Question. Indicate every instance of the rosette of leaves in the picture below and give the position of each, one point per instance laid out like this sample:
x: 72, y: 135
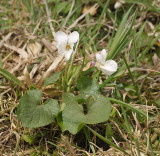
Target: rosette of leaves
x: 89, y: 107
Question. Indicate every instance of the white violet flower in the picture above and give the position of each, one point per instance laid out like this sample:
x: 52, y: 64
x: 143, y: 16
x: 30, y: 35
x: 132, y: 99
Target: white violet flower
x: 108, y: 67
x: 65, y: 43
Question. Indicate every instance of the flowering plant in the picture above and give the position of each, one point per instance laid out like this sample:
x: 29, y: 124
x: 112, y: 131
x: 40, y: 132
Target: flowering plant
x: 76, y: 87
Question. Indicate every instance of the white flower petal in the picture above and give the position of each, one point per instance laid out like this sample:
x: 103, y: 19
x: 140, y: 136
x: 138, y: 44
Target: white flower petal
x: 73, y: 37
x: 61, y: 48
x: 109, y: 67
x: 117, y: 5
x: 100, y: 58
x: 68, y: 54
x: 61, y: 37
x: 104, y: 54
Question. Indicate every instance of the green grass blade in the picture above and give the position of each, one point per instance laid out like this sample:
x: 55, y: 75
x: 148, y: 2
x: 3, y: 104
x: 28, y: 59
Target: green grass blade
x: 100, y: 18
x: 59, y: 147
x: 119, y: 34
x: 138, y: 35
x: 146, y: 3
x: 124, y: 39
x: 1, y: 64
x: 129, y: 106
x: 106, y: 140
x: 9, y: 76
x: 126, y: 120
x: 89, y: 139
x: 128, y: 126
x: 137, y: 145
x: 134, y: 83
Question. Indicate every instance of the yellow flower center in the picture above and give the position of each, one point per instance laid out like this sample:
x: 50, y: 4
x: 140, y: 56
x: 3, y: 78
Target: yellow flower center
x: 68, y: 47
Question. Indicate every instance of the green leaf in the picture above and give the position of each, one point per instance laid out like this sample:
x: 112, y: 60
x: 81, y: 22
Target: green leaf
x: 87, y: 86
x: 9, y: 76
x: 73, y: 114
x: 33, y: 114
x: 28, y: 138
x: 60, y: 122
x: 51, y: 79
x: 98, y: 111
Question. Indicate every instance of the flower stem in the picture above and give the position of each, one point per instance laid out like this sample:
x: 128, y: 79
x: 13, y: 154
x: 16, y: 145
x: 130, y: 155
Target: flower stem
x: 68, y: 74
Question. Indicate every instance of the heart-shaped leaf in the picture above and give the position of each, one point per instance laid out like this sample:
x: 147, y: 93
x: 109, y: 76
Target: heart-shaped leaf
x: 34, y: 114
x: 73, y: 114
x: 98, y: 110
x: 51, y: 79
x: 87, y: 86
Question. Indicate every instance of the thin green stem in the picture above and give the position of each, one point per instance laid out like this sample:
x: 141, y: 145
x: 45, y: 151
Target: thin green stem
x: 135, y: 51
x: 72, y: 59
x: 17, y: 144
x: 68, y: 75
